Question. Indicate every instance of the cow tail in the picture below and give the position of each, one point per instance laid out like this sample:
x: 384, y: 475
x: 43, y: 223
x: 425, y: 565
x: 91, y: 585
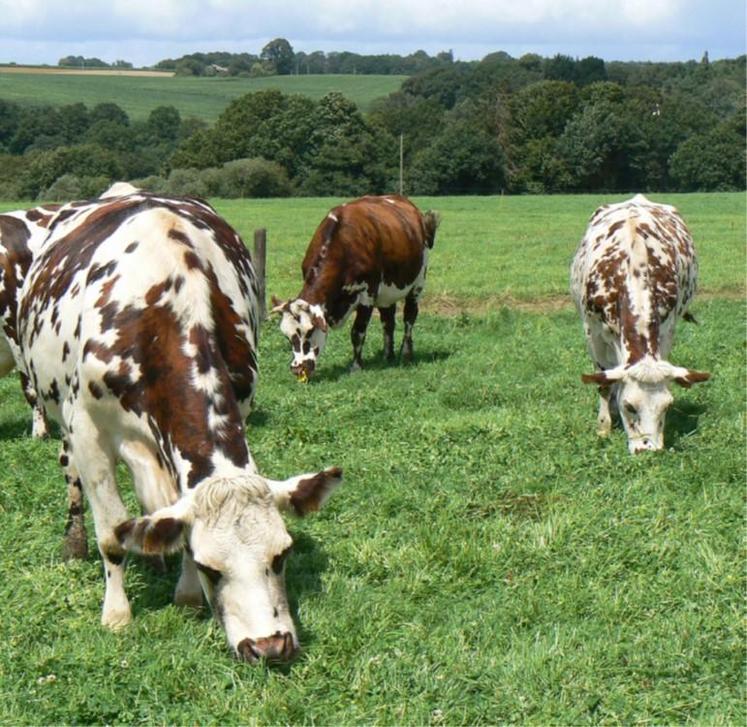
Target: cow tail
x: 431, y: 221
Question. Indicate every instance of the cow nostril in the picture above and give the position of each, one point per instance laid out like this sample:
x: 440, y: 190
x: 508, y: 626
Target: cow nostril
x: 247, y: 651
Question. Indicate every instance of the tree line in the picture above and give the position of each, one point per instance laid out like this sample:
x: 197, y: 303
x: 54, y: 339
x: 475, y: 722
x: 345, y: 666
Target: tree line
x: 278, y: 58
x: 527, y: 125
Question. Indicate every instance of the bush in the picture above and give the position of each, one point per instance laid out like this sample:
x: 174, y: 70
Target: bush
x: 253, y: 178
x: 185, y: 182
x: 151, y: 183
x: 70, y: 186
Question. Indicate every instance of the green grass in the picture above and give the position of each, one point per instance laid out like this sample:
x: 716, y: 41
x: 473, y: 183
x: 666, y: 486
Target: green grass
x: 487, y: 558
x: 502, y: 248
x: 204, y: 98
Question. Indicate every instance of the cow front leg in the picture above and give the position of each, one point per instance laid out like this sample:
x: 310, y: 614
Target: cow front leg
x: 410, y: 316
x: 188, y: 589
x: 388, y: 323
x: 96, y: 468
x: 604, y: 417
x: 75, y: 542
x: 39, y: 425
x: 358, y: 335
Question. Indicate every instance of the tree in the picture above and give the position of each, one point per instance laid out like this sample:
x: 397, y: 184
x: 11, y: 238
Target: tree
x: 712, y: 162
x: 279, y: 55
x: 164, y: 123
x: 462, y: 160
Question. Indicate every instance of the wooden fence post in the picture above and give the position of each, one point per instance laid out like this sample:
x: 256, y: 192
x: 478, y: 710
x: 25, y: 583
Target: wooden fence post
x: 260, y: 258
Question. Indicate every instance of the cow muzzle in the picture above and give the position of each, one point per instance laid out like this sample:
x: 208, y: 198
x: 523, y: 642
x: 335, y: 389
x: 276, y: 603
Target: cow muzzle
x: 644, y: 444
x: 278, y: 648
x: 303, y: 371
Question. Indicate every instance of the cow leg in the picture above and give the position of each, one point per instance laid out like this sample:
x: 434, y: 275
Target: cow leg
x: 604, y: 417
x: 154, y: 486
x: 96, y: 467
x: 39, y: 426
x: 358, y: 334
x: 410, y: 316
x: 388, y: 323
x: 188, y: 591
x: 75, y: 543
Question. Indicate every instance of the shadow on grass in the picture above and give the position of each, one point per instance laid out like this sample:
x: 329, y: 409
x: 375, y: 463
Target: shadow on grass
x: 19, y: 427
x: 379, y: 363
x: 681, y: 422
x: 15, y: 428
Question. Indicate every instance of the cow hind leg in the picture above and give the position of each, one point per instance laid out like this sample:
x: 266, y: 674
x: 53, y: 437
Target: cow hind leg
x: 75, y: 542
x: 410, y: 316
x: 388, y: 323
x: 358, y: 335
x: 39, y: 425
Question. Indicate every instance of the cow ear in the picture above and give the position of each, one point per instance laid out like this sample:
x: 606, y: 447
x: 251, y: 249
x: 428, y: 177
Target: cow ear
x: 305, y: 493
x: 278, y: 306
x: 686, y: 377
x: 319, y: 322
x: 603, y: 378
x: 160, y: 533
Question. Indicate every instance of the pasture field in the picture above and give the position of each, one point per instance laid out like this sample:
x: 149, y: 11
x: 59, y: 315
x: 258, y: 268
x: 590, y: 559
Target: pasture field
x: 487, y: 558
x: 204, y: 98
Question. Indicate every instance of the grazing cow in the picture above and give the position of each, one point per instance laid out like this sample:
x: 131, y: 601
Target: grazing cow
x: 138, y: 329
x: 21, y: 235
x: 368, y: 253
x: 633, y: 275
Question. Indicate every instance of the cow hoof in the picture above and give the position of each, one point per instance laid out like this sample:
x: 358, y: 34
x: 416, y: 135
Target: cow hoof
x: 188, y: 599
x: 116, y: 620
x: 75, y: 546
x: 355, y: 366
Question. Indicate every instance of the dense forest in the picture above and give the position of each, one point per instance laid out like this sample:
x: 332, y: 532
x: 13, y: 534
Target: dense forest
x: 526, y: 125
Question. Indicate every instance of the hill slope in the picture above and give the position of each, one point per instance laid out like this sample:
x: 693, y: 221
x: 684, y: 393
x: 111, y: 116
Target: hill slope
x: 204, y: 98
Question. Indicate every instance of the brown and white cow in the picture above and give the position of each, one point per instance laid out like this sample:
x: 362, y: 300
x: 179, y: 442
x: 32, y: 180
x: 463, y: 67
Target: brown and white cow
x: 371, y: 252
x: 138, y: 328
x: 21, y: 235
x: 633, y: 276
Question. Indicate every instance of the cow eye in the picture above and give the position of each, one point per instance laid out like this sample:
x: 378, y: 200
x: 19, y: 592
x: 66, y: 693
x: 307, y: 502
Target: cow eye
x: 630, y: 408
x: 212, y: 575
x: 278, y: 562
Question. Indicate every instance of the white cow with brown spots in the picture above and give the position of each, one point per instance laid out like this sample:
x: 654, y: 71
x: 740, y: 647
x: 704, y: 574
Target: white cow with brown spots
x: 138, y: 329
x: 633, y: 276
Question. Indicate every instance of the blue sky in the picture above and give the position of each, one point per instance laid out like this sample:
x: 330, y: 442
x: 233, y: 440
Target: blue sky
x: 146, y: 31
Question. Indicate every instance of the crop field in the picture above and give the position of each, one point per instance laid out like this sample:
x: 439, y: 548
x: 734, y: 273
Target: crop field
x: 487, y: 559
x: 204, y: 98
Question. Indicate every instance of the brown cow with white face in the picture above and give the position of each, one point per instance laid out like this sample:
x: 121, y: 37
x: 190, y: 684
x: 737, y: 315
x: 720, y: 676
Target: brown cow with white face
x: 634, y: 274
x: 138, y: 329
x: 372, y: 252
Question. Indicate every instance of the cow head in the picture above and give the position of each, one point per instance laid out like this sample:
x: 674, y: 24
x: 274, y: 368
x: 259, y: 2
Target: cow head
x: 234, y: 532
x: 305, y: 326
x: 643, y: 397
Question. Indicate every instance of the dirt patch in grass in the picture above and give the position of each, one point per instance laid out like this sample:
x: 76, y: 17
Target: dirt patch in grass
x: 443, y: 304
x: 86, y: 72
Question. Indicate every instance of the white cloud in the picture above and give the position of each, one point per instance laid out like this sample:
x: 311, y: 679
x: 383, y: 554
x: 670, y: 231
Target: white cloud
x: 670, y: 29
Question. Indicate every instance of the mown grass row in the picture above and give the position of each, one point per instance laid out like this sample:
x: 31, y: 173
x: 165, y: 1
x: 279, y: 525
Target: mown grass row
x: 487, y: 559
